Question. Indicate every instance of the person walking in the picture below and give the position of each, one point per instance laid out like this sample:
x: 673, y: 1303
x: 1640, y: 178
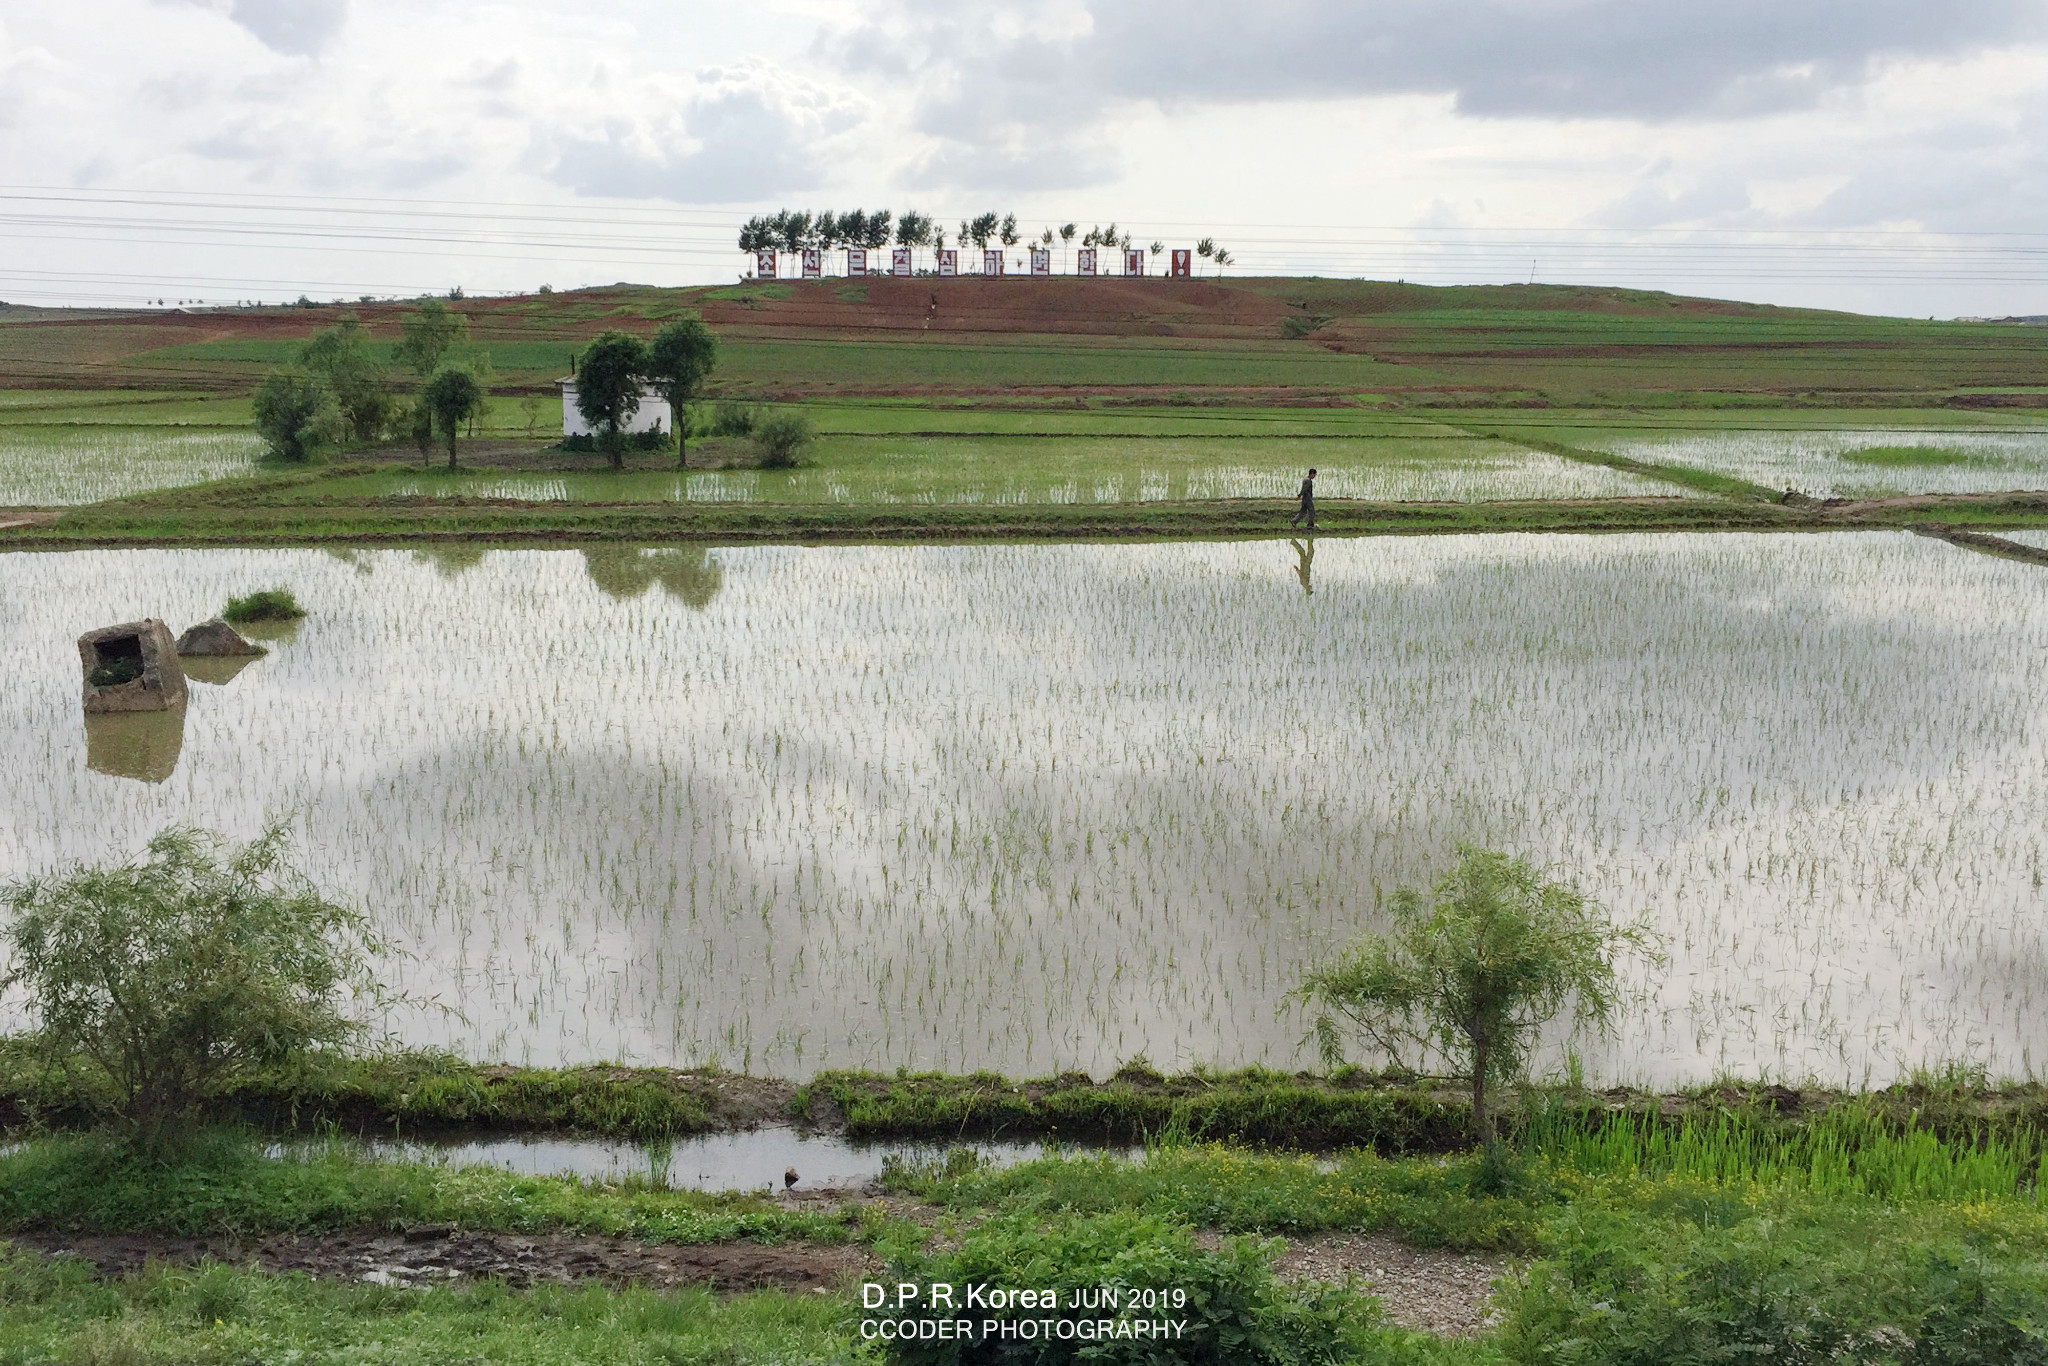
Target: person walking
x: 1307, y: 511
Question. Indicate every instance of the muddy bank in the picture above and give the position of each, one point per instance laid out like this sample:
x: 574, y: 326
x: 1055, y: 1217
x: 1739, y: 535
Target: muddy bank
x: 1433, y: 1290
x: 436, y: 1254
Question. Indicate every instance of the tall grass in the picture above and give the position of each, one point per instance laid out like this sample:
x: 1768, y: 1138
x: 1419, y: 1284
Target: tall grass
x: 1848, y: 1151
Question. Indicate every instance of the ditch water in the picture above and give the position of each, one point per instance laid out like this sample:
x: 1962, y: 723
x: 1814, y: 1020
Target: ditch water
x: 1037, y: 807
x: 746, y: 1160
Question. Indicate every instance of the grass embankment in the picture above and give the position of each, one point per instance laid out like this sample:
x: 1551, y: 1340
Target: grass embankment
x: 1721, y: 1239
x: 221, y: 1183
x: 57, y: 1310
x: 435, y: 1094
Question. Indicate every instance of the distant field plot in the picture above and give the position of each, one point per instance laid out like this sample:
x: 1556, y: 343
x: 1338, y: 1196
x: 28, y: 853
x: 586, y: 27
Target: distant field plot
x: 938, y: 360
x: 1058, y: 418
x: 848, y: 469
x: 976, y: 362
x: 1743, y: 417
x: 50, y: 466
x: 121, y: 408
x: 1862, y: 463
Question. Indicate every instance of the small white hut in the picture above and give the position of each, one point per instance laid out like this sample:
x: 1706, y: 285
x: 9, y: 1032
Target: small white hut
x: 651, y: 416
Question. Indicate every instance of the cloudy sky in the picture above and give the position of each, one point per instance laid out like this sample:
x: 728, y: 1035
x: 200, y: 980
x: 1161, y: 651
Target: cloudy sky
x: 1881, y: 155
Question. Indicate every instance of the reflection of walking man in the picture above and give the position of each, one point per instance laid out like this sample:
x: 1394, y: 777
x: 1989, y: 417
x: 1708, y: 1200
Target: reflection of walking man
x: 1305, y: 552
x: 1307, y: 511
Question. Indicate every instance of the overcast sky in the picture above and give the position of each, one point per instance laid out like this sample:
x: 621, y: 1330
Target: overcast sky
x: 1882, y: 155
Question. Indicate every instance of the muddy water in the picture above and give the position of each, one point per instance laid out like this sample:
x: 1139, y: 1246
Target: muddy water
x: 747, y: 1160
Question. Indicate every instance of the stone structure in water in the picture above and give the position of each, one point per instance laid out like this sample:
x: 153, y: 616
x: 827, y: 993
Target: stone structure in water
x: 131, y: 667
x: 215, y: 640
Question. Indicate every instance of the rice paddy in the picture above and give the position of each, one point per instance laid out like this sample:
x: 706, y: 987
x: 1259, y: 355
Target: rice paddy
x: 76, y: 463
x: 962, y: 470
x: 1871, y: 463
x: 1032, y: 807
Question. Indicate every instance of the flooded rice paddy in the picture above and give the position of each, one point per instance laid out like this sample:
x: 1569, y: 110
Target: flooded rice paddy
x: 1029, y: 807
x: 1852, y: 464
x: 1071, y: 470
x: 70, y: 465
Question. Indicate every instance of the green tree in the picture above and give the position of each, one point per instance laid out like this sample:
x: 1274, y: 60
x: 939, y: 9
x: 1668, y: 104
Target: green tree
x: 340, y: 358
x: 681, y: 359
x: 608, y: 376
x: 1473, y: 971
x: 159, y: 984
x: 451, y: 398
x: 428, y: 334
x: 295, y: 414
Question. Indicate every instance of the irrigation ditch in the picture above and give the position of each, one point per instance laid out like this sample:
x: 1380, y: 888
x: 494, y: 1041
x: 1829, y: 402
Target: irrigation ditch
x: 441, y: 1100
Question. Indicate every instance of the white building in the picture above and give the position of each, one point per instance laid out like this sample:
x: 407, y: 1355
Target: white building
x: 651, y: 416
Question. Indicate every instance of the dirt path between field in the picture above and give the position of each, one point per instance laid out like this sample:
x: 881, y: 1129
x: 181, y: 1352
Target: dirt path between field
x: 1432, y: 1290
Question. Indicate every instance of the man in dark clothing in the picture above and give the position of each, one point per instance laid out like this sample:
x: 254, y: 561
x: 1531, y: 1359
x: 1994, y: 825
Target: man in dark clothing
x: 1307, y: 511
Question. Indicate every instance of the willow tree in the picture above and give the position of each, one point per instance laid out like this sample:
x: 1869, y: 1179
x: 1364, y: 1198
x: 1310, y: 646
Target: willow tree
x: 1473, y: 971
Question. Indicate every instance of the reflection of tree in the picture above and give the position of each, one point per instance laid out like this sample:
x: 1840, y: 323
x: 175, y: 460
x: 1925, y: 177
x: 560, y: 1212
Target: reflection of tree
x: 451, y: 558
x: 627, y: 571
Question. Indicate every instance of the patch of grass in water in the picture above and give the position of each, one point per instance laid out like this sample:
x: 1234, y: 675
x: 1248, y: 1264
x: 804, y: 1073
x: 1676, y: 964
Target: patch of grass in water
x: 269, y: 604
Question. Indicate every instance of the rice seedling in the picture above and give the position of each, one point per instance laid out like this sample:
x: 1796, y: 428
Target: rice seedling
x: 925, y: 469
x: 1032, y: 807
x: 1848, y: 1153
x: 1849, y: 463
x: 51, y: 466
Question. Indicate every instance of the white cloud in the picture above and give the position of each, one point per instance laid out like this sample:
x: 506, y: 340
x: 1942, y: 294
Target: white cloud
x: 1486, y: 115
x: 298, y: 27
x: 727, y: 135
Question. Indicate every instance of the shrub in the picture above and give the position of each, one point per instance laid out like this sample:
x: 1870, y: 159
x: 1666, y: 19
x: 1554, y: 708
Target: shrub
x: 1231, y: 1307
x: 122, y: 669
x: 159, y: 985
x: 295, y: 414
x: 1299, y: 325
x: 271, y: 604
x: 630, y: 441
x: 782, y: 439
x: 730, y: 417
x: 1766, y: 1290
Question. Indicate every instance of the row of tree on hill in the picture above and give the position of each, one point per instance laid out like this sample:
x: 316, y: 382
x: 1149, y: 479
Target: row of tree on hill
x: 826, y: 230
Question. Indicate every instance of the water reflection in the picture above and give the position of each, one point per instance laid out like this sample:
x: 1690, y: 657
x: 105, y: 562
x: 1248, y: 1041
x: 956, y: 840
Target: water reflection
x: 141, y: 745
x: 215, y: 669
x: 1305, y: 552
x: 452, y: 560
x: 282, y: 632
x: 627, y: 571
